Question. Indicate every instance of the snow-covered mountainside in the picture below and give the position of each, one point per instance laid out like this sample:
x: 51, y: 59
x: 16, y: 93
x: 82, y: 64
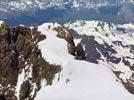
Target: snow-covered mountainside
x: 108, y: 44
x: 82, y: 79
x: 81, y: 60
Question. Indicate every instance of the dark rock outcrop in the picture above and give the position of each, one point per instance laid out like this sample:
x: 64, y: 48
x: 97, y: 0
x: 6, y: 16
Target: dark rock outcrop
x: 77, y: 51
x: 19, y: 51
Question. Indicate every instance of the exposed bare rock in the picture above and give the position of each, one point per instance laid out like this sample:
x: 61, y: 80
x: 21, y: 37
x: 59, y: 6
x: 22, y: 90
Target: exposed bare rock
x: 19, y: 52
x: 79, y: 52
x: 76, y: 51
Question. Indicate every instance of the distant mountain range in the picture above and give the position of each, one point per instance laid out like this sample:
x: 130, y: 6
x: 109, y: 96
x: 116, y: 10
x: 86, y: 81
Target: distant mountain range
x: 24, y: 4
x: 35, y: 12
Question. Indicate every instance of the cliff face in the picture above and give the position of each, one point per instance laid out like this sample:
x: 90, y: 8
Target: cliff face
x: 19, y: 52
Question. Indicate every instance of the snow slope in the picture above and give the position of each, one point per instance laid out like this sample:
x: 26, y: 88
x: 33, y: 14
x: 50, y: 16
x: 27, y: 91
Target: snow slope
x: 78, y: 80
x: 108, y: 33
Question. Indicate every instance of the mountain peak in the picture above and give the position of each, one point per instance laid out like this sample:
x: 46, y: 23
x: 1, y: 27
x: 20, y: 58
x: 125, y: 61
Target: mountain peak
x: 58, y: 55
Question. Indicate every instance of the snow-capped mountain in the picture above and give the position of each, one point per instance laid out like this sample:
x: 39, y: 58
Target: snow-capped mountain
x: 81, y: 60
